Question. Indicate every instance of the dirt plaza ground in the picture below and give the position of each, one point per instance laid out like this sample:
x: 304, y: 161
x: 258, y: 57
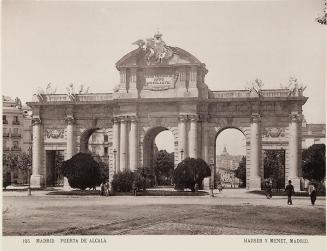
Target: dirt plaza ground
x: 232, y: 212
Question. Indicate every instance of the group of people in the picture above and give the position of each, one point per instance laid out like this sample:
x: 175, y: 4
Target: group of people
x: 105, y: 188
x: 289, y: 189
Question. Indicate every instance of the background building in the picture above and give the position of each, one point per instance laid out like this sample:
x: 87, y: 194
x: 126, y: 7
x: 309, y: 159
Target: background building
x: 226, y: 165
x: 313, y: 134
x: 17, y: 130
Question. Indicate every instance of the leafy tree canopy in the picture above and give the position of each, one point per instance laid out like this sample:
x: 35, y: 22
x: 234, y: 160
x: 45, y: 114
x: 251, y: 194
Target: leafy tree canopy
x: 240, y: 172
x: 163, y: 165
x: 314, y: 162
x: 82, y: 171
x: 190, y: 172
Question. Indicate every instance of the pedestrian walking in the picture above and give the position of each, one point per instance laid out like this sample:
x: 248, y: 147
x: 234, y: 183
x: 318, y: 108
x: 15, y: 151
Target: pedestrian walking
x: 313, y: 194
x: 268, y: 187
x: 102, y: 188
x: 107, y: 188
x: 289, y: 189
x: 134, y: 188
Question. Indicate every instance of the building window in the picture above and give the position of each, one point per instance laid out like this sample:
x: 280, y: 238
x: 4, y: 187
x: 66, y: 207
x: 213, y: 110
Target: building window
x: 106, y: 151
x: 15, y: 145
x: 105, y: 137
x: 15, y: 121
x: 4, y: 119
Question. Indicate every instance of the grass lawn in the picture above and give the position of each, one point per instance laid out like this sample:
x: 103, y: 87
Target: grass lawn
x: 55, y: 215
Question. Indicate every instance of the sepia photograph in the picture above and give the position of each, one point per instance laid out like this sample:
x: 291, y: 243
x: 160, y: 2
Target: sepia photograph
x: 146, y: 121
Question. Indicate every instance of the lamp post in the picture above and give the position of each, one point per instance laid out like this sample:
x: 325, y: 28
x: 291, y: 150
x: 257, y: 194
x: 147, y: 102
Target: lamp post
x: 212, y: 183
x: 115, y: 161
x: 29, y: 182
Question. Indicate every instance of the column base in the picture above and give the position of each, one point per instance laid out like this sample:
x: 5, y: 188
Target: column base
x: 206, y: 184
x: 254, y: 183
x: 67, y: 187
x: 37, y: 181
x: 296, y: 182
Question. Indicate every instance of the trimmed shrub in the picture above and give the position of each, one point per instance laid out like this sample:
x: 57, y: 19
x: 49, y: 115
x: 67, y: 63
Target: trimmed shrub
x: 6, y: 179
x: 123, y: 181
x: 190, y: 172
x: 82, y: 171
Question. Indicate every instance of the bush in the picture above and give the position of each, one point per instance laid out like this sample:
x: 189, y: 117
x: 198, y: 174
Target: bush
x: 123, y: 181
x: 6, y: 179
x: 82, y: 171
x: 190, y: 172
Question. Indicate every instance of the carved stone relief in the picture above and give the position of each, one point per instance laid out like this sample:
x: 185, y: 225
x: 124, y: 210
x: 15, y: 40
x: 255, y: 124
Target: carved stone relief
x: 55, y: 133
x: 274, y: 132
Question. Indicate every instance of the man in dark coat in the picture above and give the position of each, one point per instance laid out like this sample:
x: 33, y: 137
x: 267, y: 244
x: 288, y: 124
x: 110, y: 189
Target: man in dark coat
x: 289, y: 191
x: 313, y: 195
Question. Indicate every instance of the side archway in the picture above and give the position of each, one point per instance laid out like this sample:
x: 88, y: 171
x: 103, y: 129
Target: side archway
x: 230, y: 153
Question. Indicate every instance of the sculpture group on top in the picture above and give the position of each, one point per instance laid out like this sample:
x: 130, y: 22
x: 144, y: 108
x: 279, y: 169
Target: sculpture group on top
x: 155, y: 48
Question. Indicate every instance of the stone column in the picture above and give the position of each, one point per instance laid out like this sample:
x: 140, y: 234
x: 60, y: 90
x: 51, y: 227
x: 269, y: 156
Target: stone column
x: 133, y: 144
x: 193, y: 139
x: 70, y: 137
x: 255, y: 178
x: 205, y: 146
x: 182, y: 137
x: 36, y: 178
x: 115, y: 144
x: 123, y: 144
x: 294, y: 151
x: 69, y: 144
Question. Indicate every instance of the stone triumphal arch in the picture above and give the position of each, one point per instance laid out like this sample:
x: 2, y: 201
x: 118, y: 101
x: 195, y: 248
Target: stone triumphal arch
x: 163, y: 88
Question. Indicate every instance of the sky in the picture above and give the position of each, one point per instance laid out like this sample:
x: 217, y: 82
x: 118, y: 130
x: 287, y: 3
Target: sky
x: 80, y: 42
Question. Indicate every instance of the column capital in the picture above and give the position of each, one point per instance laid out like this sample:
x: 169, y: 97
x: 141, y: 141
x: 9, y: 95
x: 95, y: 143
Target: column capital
x: 115, y: 120
x: 294, y: 117
x: 70, y: 120
x: 36, y: 121
x: 255, y: 118
x: 193, y: 117
x: 182, y: 118
x: 133, y: 118
x: 123, y: 119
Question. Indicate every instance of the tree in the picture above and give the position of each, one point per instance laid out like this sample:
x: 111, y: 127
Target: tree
x: 274, y: 167
x: 164, y: 167
x: 104, y: 169
x: 9, y: 162
x: 190, y: 172
x: 313, y: 162
x: 82, y: 171
x: 144, y: 177
x: 24, y: 163
x: 240, y: 172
